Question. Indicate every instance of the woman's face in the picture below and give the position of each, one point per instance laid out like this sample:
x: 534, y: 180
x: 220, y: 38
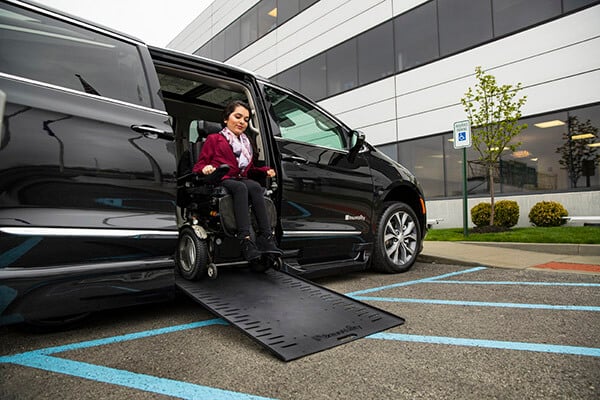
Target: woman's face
x: 237, y: 121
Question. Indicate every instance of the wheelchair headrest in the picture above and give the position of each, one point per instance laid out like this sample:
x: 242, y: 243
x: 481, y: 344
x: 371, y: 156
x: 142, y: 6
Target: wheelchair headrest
x: 205, y: 128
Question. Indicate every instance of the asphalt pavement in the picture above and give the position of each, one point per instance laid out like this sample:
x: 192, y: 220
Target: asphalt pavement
x: 581, y: 258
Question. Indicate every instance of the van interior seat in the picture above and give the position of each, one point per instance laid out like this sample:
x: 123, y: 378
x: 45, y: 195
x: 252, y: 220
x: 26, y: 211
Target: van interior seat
x: 204, y: 128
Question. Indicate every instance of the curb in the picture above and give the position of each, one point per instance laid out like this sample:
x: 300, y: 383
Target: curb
x: 587, y: 250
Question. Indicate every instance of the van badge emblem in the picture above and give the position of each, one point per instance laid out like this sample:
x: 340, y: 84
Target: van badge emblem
x: 355, y: 217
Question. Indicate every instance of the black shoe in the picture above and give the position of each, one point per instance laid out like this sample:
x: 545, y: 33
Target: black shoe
x: 249, y: 250
x: 266, y: 244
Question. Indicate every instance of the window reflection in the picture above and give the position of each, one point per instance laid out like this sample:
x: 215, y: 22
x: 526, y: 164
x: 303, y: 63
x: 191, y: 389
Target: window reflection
x: 512, y: 15
x: 375, y: 54
x: 463, y: 23
x: 416, y: 37
x: 312, y: 75
x: 342, y: 60
x: 267, y: 16
x: 559, y: 152
x: 425, y: 159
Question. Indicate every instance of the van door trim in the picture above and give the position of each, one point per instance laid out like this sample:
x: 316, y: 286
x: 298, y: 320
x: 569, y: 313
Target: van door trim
x: 80, y: 93
x: 301, y: 234
x: 123, y: 233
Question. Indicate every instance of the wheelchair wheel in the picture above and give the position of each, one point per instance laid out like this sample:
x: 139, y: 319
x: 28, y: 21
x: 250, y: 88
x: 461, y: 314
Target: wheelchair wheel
x: 192, y: 255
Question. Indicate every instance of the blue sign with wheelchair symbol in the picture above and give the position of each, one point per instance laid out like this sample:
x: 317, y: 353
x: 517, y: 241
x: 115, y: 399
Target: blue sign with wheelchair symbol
x: 462, y: 134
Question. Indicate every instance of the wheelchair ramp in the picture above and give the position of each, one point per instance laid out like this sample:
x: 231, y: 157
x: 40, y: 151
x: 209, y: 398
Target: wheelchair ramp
x: 288, y: 315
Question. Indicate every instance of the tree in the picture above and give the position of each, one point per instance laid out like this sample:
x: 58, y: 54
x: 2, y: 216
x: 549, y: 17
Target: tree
x: 494, y: 114
x: 575, y: 153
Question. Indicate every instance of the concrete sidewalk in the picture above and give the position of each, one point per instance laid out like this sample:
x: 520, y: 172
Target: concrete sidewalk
x: 568, y: 257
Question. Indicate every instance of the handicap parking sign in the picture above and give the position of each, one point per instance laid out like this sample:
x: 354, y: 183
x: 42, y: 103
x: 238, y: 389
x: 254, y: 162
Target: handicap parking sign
x: 462, y: 134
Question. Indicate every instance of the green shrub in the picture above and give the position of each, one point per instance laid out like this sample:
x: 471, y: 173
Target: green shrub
x: 481, y: 213
x: 547, y: 213
x: 506, y: 213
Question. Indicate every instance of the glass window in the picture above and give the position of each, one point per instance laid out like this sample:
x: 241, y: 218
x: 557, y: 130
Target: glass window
x: 313, y: 74
x: 342, y: 73
x: 558, y: 152
x: 425, y: 159
x: 301, y: 122
x: 304, y: 4
x: 453, y: 168
x: 390, y: 150
x: 51, y: 51
x: 218, y: 47
x: 267, y: 17
x: 565, y: 148
x: 416, y: 34
x: 232, y: 39
x: 463, y: 23
x: 249, y: 27
x: 571, y: 5
x: 512, y: 15
x: 205, y: 50
x: 375, y: 54
x: 290, y: 78
x: 286, y: 9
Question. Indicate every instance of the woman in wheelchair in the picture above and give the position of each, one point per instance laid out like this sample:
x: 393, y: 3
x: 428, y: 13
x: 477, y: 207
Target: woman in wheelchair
x: 232, y: 146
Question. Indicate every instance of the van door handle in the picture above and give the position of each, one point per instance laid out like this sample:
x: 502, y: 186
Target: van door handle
x: 296, y: 159
x: 153, y: 133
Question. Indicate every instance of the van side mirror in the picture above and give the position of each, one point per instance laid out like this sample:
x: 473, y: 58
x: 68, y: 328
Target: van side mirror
x: 358, y: 140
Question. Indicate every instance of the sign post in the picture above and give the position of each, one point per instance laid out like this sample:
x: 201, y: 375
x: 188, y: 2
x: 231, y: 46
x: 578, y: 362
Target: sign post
x: 462, y: 140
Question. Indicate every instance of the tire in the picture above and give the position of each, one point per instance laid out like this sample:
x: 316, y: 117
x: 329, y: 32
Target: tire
x: 191, y: 257
x: 398, y: 239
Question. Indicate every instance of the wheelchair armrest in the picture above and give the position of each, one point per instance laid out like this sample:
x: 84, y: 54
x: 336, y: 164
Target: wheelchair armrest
x: 199, y: 179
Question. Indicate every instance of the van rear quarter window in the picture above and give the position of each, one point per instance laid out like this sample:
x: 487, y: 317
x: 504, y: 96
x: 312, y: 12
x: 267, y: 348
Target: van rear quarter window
x: 44, y: 49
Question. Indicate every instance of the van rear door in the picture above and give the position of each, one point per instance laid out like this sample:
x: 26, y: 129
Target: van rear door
x: 86, y: 154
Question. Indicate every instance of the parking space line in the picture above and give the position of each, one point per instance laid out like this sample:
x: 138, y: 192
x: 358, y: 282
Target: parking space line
x: 494, y: 344
x: 479, y: 303
x: 424, y: 280
x: 130, y: 336
x: 580, y: 284
x: 41, y: 359
x: 147, y: 383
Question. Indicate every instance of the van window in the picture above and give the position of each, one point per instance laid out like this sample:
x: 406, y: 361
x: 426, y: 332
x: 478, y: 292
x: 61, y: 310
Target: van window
x: 48, y: 50
x: 300, y: 121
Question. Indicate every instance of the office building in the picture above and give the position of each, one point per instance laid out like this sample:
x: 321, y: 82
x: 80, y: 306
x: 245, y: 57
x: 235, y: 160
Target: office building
x: 397, y: 69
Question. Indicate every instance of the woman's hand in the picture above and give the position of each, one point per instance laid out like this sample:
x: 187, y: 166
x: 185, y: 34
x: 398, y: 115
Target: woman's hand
x: 209, y: 169
x: 271, y: 173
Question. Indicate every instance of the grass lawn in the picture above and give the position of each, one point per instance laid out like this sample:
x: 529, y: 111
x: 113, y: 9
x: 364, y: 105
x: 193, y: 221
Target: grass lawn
x: 559, y: 234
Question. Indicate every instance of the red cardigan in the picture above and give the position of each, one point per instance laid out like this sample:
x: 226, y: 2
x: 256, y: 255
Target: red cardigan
x: 216, y: 151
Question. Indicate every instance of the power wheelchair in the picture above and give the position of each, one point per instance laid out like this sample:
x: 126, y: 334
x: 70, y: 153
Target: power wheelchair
x: 207, y: 235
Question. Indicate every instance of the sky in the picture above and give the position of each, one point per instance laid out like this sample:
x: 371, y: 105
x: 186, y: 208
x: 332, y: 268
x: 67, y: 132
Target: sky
x: 154, y: 22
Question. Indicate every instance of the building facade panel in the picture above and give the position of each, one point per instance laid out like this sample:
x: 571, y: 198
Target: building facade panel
x: 322, y: 26
x: 364, y: 96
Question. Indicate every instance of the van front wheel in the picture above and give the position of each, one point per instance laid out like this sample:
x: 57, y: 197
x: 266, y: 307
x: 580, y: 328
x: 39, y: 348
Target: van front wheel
x: 398, y: 239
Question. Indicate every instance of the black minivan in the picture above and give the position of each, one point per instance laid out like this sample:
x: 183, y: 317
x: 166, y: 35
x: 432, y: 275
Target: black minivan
x: 95, y: 126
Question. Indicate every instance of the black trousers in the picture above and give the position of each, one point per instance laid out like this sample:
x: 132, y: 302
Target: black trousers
x: 242, y: 191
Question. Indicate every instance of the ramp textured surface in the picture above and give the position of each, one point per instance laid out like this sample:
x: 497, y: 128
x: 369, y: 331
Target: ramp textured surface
x: 288, y: 315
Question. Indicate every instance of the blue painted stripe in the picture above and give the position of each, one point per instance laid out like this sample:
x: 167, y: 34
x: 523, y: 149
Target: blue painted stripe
x: 12, y: 255
x: 129, y: 379
x: 493, y: 344
x: 478, y: 303
x: 519, y: 283
x: 130, y: 336
x: 424, y: 280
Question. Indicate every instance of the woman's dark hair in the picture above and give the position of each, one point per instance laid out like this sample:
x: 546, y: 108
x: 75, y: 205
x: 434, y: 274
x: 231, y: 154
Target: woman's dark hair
x: 231, y: 106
